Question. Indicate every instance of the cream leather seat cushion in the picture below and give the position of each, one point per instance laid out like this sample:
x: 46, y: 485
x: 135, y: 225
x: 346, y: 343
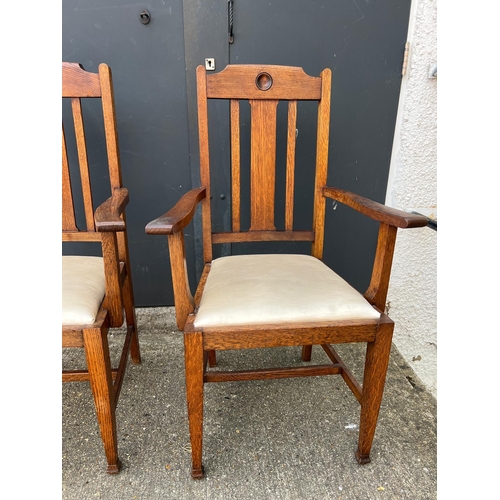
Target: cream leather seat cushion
x: 275, y: 288
x: 83, y: 288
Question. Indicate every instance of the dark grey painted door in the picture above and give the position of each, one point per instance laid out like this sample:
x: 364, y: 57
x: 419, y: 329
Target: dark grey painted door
x: 154, y: 75
x: 362, y: 42
x: 149, y: 78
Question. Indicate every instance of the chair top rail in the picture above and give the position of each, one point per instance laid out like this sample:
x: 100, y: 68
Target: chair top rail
x: 251, y: 81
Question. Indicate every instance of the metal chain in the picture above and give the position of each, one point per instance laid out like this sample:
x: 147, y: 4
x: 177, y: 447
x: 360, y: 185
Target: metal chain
x: 230, y: 20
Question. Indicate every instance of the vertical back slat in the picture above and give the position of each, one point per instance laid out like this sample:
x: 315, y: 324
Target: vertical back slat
x: 290, y: 164
x: 201, y: 82
x: 321, y: 163
x: 235, y: 164
x: 68, y: 210
x: 262, y: 164
x: 76, y: 106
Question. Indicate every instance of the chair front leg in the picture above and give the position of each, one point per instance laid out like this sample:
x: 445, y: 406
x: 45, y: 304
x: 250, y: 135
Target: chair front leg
x: 101, y: 383
x: 376, y: 363
x: 193, y: 353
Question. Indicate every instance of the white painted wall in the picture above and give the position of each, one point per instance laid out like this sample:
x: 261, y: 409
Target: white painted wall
x: 412, y: 297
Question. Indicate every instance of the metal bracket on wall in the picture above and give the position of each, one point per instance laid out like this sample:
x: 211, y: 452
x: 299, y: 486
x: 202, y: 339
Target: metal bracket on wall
x: 209, y: 63
x: 432, y: 223
x: 405, y: 59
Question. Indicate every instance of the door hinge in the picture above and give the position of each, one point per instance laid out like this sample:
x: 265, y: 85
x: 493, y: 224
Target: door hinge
x: 405, y: 59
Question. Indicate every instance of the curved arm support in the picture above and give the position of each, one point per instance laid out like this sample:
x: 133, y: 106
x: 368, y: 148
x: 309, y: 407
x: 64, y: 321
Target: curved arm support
x: 183, y: 299
x: 172, y: 224
x: 390, y: 220
x: 374, y: 210
x: 108, y: 214
x: 377, y: 290
x: 179, y: 216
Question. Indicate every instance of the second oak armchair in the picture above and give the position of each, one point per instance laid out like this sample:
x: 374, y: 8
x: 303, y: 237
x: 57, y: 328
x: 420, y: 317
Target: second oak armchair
x: 272, y: 300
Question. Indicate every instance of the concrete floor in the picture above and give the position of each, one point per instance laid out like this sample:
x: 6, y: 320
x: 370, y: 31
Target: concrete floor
x: 276, y: 439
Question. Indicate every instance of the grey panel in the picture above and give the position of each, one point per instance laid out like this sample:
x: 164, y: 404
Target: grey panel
x: 155, y: 90
x: 147, y: 62
x: 205, y: 29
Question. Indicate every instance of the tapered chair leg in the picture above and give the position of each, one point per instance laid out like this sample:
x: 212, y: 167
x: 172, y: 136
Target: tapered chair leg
x: 193, y: 352
x: 101, y: 382
x: 128, y: 299
x: 376, y: 363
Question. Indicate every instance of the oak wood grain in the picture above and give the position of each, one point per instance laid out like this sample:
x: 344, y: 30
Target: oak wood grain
x: 110, y: 130
x: 376, y: 363
x: 272, y: 373
x: 238, y: 81
x: 178, y: 217
x: 263, y: 336
x: 114, y: 297
x: 108, y: 214
x: 262, y: 164
x: 290, y: 164
x: 101, y: 383
x: 377, y: 290
x: 244, y: 236
x: 347, y: 375
x: 184, y: 303
x: 206, y: 213
x: 235, y: 165
x: 83, y: 162
x: 322, y: 143
x: 68, y: 211
x: 193, y: 359
x: 374, y: 210
x: 81, y: 375
x: 76, y: 82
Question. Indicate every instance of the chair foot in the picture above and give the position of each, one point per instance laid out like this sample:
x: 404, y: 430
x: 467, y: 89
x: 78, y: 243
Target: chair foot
x: 362, y: 459
x: 198, y: 473
x: 114, y: 469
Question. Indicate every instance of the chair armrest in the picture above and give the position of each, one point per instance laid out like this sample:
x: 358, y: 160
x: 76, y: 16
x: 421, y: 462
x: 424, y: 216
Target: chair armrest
x: 374, y: 210
x: 107, y: 215
x: 172, y: 224
x: 179, y: 216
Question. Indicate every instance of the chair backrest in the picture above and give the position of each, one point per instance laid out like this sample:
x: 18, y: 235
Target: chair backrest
x: 264, y: 86
x: 77, y: 83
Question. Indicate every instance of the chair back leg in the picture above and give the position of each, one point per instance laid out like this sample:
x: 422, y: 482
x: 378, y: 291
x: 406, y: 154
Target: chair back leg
x: 128, y: 299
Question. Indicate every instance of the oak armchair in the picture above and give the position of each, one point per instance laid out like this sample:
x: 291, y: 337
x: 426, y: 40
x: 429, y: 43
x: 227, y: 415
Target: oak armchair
x: 96, y: 290
x: 271, y: 300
